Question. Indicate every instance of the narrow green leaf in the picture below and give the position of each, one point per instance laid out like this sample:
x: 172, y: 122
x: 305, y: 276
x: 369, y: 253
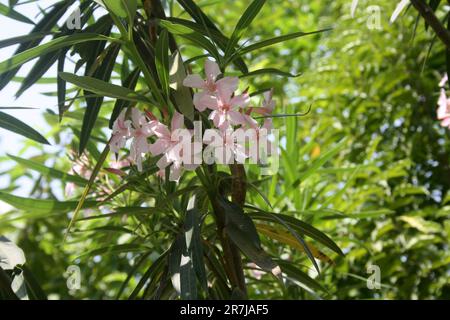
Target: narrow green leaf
x: 46, y: 61
x: 175, y: 253
x: 269, y: 71
x: 162, y: 60
x: 122, y: 8
x: 192, y: 36
x: 103, y: 88
x: 135, y: 268
x: 299, y: 239
x: 14, y: 125
x: 11, y: 13
x: 42, y: 206
x: 215, y: 35
x: 272, y: 41
x: 23, y: 39
x: 130, y: 83
x: 50, y: 172
x: 61, y: 42
x: 194, y: 245
x: 242, y: 231
x: 243, y: 23
x: 301, y: 227
x: 46, y: 24
x: 181, y: 94
x: 61, y: 85
x: 117, y: 248
x: 87, y: 189
x: 149, y: 274
x: 102, y: 73
x: 296, y: 274
x: 35, y: 291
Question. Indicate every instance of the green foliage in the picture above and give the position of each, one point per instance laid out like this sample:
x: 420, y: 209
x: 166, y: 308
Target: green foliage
x: 363, y: 177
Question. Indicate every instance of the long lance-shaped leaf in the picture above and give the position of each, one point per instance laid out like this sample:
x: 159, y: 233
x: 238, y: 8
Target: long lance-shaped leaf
x: 40, y: 206
x: 14, y: 125
x: 44, y: 63
x: 103, y: 88
x: 130, y: 83
x: 215, y: 35
x: 243, y: 23
x: 103, y: 73
x: 273, y: 71
x: 11, y: 13
x: 300, y: 227
x: 122, y: 8
x: 194, y: 245
x: 23, y: 39
x: 291, y: 240
x: 50, y: 46
x: 209, y: 27
x: 272, y: 41
x: 181, y: 95
x: 87, y: 189
x: 192, y: 36
x: 242, y: 231
x: 53, y: 173
x: 162, y: 60
x: 61, y: 85
x: 300, y: 240
x: 149, y: 274
x: 299, y: 276
x: 46, y: 24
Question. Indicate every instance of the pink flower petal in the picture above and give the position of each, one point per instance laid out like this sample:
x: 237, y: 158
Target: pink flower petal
x: 250, y: 122
x: 136, y: 117
x: 177, y: 121
x: 163, y: 162
x: 268, y: 124
x: 446, y: 122
x: 236, y: 117
x: 194, y: 81
x: 160, y: 130
x: 212, y: 70
x: 443, y: 109
x: 203, y: 100
x: 160, y: 146
x: 225, y: 88
x: 241, y: 100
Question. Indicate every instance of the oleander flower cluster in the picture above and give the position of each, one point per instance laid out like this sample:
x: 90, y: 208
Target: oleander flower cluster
x: 217, y: 97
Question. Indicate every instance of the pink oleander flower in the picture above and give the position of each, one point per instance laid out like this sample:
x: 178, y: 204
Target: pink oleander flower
x: 259, y: 139
x: 226, y: 108
x: 116, y: 166
x: 443, y: 112
x: 121, y: 133
x: 169, y: 145
x: 140, y: 131
x: 267, y: 105
x: 210, y: 86
x: 80, y: 168
x: 227, y: 148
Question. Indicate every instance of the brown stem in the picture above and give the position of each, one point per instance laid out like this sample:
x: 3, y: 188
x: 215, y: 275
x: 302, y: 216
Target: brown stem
x: 427, y: 13
x: 232, y: 255
x: 239, y: 192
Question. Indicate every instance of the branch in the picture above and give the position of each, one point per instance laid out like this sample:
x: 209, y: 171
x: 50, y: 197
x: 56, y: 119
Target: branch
x: 427, y: 13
